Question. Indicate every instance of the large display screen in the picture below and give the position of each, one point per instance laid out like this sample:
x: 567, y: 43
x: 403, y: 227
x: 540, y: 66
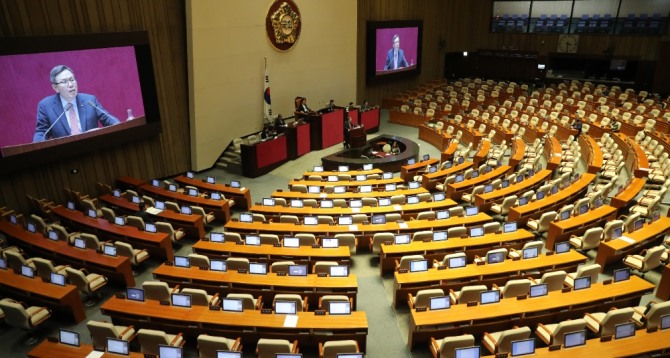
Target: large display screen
x: 393, y: 48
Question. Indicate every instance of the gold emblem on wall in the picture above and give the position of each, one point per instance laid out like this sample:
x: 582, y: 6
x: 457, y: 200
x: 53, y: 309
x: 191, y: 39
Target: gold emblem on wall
x: 283, y: 24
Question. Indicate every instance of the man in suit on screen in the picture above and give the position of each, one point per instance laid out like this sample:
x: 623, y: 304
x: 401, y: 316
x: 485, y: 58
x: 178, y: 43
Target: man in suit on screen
x: 395, y: 58
x: 68, y: 112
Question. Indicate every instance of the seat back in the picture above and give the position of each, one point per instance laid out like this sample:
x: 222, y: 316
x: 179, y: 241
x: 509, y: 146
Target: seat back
x: 15, y: 260
x: 514, y: 288
x: 208, y: 345
x: 289, y: 297
x: 566, y: 327
x: 77, y: 278
x: 44, y: 268
x: 269, y: 239
x: 405, y: 260
x: 324, y: 301
x: 470, y: 293
x: 108, y: 214
x: 347, y: 240
x: 507, y: 337
x: 124, y: 249
x: 199, y: 297
x: 150, y: 339
x: 449, y: 344
x: 306, y: 239
x: 237, y: 263
x: 135, y: 221
x: 554, y: 280
x: 591, y: 270
x: 324, y: 266
x: 198, y: 260
x: 332, y: 348
x: 591, y: 238
x: 281, y: 266
x: 248, y: 301
x: 268, y: 348
x: 652, y: 258
x: 614, y: 317
x: 378, y: 239
x: 422, y: 235
x: 423, y: 297
x: 156, y: 290
x: 657, y: 311
x: 289, y: 219
x: 100, y: 331
x: 15, y: 314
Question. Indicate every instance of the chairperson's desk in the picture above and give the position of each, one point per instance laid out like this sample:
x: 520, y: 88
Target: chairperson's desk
x: 158, y: 244
x: 556, y: 306
x: 63, y: 299
x: 412, y: 282
x: 250, y: 325
x: 220, y: 208
x: 267, y: 286
x: 632, y: 243
x: 48, y: 349
x: 116, y: 268
x: 242, y: 196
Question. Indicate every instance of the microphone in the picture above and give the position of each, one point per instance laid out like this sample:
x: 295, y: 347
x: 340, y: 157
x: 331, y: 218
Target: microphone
x: 90, y: 103
x: 65, y: 109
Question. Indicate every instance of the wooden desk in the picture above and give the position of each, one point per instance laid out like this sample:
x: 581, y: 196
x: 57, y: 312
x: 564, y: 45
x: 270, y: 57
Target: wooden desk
x: 264, y: 156
x: 369, y: 118
x: 663, y: 290
x: 437, y: 139
x: 220, y: 208
x: 437, y: 249
x: 117, y: 269
x: 636, y: 160
x: 554, y: 307
x: 48, y: 349
x: 353, y: 173
x: 480, y: 155
x: 63, y: 299
x: 577, y: 225
x: 448, y: 153
x: 407, y: 172
x: 482, y: 275
x: 158, y: 244
x: 623, y: 199
x: 347, y: 183
x: 348, y: 194
x: 456, y: 190
x: 223, y: 283
x: 594, y: 160
x: 249, y: 325
x: 552, y: 152
x: 270, y: 254
x: 484, y: 201
x: 430, y: 180
x: 518, y: 151
x: 127, y: 182
x: 193, y: 224
x: 649, y: 235
x: 242, y: 196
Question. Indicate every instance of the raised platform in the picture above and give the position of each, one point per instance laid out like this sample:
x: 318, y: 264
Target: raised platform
x: 372, y: 153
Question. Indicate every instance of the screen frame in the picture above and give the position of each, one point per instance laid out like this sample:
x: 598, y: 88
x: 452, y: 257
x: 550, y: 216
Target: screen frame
x: 371, y: 50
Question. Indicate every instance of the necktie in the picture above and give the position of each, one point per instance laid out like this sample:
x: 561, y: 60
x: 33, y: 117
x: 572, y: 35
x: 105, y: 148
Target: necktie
x: 395, y: 60
x: 74, y: 121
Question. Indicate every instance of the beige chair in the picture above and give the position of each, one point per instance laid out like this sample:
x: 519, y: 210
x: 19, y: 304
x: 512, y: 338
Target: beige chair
x: 466, y: 294
x: 446, y: 347
x: 136, y: 256
x: 24, y: 317
x: 166, y: 227
x: 323, y: 267
x: 423, y: 297
x: 325, y: 300
x: 404, y: 262
x: 647, y: 260
x: 198, y: 260
x: 87, y: 283
x: 45, y: 268
x: 301, y: 303
x: 63, y: 234
x: 237, y: 263
x: 331, y: 349
x: 268, y: 348
x: 281, y: 266
x: 306, y: 239
x: 501, y: 250
x: 269, y: 239
x: 603, y: 323
x: 208, y: 217
x: 347, y: 240
x: 248, y: 301
x: 101, y: 330
x: 514, y: 288
x: 200, y: 297
x: 15, y: 260
x: 135, y: 221
x: 502, y: 209
x: 539, y: 244
x: 108, y: 214
x: 650, y: 315
x: 208, y: 345
x: 553, y: 334
x: 378, y: 239
x: 289, y: 219
x: 501, y: 342
x: 542, y: 224
x: 590, y: 239
x: 553, y: 279
x: 591, y: 270
x: 150, y: 340
x: 422, y: 235
x: 426, y: 215
x: 157, y: 290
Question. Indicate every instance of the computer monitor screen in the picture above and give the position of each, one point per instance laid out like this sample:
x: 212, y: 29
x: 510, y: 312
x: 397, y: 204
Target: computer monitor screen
x: 561, y: 247
x: 390, y: 187
x: 155, y: 182
x: 379, y: 219
x: 574, y: 339
x: 109, y: 250
x: 79, y: 243
x: 92, y: 213
x: 215, y: 196
x: 418, y: 265
x: 31, y: 227
x: 509, y: 227
x: 285, y: 307
x: 638, y: 224
x: 459, y: 178
x: 554, y: 189
x: 425, y: 157
x: 311, y: 220
x: 539, y: 290
x: 366, y: 189
x: 384, y: 201
x: 252, y: 240
x: 665, y: 321
x: 461, y: 160
x: 70, y: 205
x: 414, y: 185
x: 70, y: 338
x: 190, y: 175
x: 539, y: 195
x: 172, y: 187
x: 531, y: 173
x: 432, y: 169
x: 326, y: 204
x: 624, y: 330
x: 186, y: 210
x: 411, y: 161
x: 135, y: 294
x: 356, y: 203
x: 343, y: 168
x: 361, y: 177
x: 439, y: 196
x: 150, y: 227
x: 565, y: 214
x: 387, y: 175
x: 288, y: 355
x: 135, y: 199
x: 475, y: 174
x: 211, y: 180
x: 616, y: 232
x: 117, y: 346
x: 3, y: 264
x: 339, y: 271
x: 495, y: 257
x: 339, y: 308
x: 119, y: 220
x: 504, y: 184
x: 339, y: 190
x: 349, y: 355
x: 217, y: 237
x: 345, y: 220
x: 232, y: 305
x: 456, y: 262
x: 317, y: 168
x: 228, y: 354
x: 476, y: 231
x: 116, y: 193
x: 27, y: 271
x: 313, y: 189
x: 519, y: 178
x: 268, y: 202
x: 530, y: 252
x: 182, y: 261
x: 52, y: 235
x: 439, y: 235
x: 401, y: 239
x: 367, y: 166
x: 582, y: 283
x: 448, y: 165
x: 523, y: 347
x: 473, y: 210
x: 330, y: 243
x: 57, y: 279
x: 218, y: 265
x: 583, y: 209
x: 181, y: 300
x: 169, y: 351
x: 332, y: 178
x: 492, y: 296
x: 160, y: 205
x: 467, y: 352
x: 297, y: 270
x: 621, y: 274
x: 258, y: 268
x: 296, y: 203
x: 439, y: 303
x: 488, y: 188
x: 412, y: 199
x: 246, y: 217
x: 655, y: 215
x: 235, y: 184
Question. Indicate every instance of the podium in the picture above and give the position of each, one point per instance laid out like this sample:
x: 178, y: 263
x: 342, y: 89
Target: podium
x: 326, y: 129
x: 357, y: 137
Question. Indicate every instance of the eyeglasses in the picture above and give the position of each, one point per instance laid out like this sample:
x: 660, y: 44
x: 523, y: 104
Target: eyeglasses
x: 66, y: 81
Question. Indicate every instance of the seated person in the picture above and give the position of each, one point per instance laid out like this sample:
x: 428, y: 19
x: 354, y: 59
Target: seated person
x: 267, y: 133
x: 280, y: 125
x: 330, y: 107
x: 302, y: 106
x: 395, y: 149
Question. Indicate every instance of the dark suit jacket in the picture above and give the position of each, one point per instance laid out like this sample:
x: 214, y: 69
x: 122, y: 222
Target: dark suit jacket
x: 50, y: 108
x: 402, y: 62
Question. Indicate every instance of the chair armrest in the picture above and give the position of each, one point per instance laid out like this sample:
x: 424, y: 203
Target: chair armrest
x: 295, y: 348
x: 397, y: 264
x: 495, y: 287
x: 84, y: 270
x: 179, y: 335
x: 214, y: 298
x: 122, y: 333
x: 305, y: 304
x: 410, y: 301
x: 592, y: 317
x: 434, y: 348
x: 486, y: 334
x: 237, y: 346
x: 544, y: 328
x: 321, y: 350
x: 531, y: 279
x: 638, y: 312
x: 175, y: 289
x: 138, y: 252
x: 259, y: 303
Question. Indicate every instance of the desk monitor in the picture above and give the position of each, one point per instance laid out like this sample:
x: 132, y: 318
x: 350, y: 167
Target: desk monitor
x: 523, y: 347
x: 432, y: 169
x: 339, y: 271
x: 425, y: 157
x: 116, y: 193
x: 52, y: 235
x: 235, y: 184
x: 135, y: 199
x: 621, y: 274
x: 150, y: 227
x: 57, y: 279
x: 384, y: 201
x: 367, y: 166
x: 583, y: 209
x: 118, y: 220
x: 467, y: 352
x: 79, y: 243
x: 459, y: 178
x: 378, y: 219
x: 488, y: 169
x: 232, y: 304
x: 442, y: 214
x: 562, y: 247
x: 554, y: 189
x: 495, y: 257
x: 211, y: 180
x: 297, y: 270
x: 246, y: 217
x: 182, y: 261
x: 343, y: 168
x: 492, y: 296
x: 170, y: 351
x: 390, y: 187
x: 530, y: 252
x: 355, y: 203
x: 339, y: 308
x: 519, y: 178
x: 217, y: 237
x: 288, y: 355
x: 418, y: 265
x: 109, y: 250
x: 456, y: 262
x: 473, y: 210
x: 215, y: 195
x: 135, y: 294
x: 401, y: 239
x: 330, y: 243
x: 414, y: 185
x: 332, y: 178
x: 252, y: 240
x: 574, y: 339
x: 311, y: 220
x: 439, y: 196
x: 172, y: 188
x: 531, y: 173
x: 286, y: 307
x: 3, y: 264
x: 258, y: 268
x: 117, y: 346
x: 448, y: 165
x: 565, y: 215
x: 268, y: 202
x: 228, y: 354
x: 412, y: 199
x: 504, y: 184
x: 509, y: 227
x: 624, y: 330
x: 637, y: 225
x: 349, y: 355
x: 361, y: 177
x: 665, y: 321
x: 439, y: 235
x: 186, y: 210
x: 474, y: 174
x: 31, y: 227
x: 317, y: 168
x: 70, y: 338
x: 411, y: 161
x: 616, y: 232
x: 181, y: 300
x: 523, y: 200
x: 461, y: 160
x: 296, y: 203
x: 70, y: 205
x: 190, y: 175
x: 92, y: 213
x: 439, y: 303
x: 327, y: 204
x: 339, y: 189
x: 477, y: 231
x: 218, y: 265
x: 598, y: 203
x: 488, y: 188
x: 345, y: 220
x: 387, y: 175
x: 160, y: 205
x: 539, y: 195
x: 313, y: 189
x: 655, y: 215
x: 365, y: 189
x: 539, y: 290
x: 582, y: 283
